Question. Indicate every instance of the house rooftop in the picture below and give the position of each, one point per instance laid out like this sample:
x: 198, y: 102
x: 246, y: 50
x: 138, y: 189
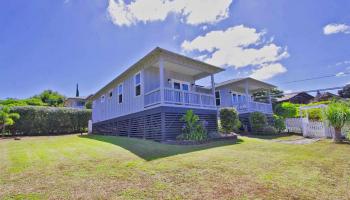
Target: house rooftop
x: 154, y: 53
x: 252, y: 81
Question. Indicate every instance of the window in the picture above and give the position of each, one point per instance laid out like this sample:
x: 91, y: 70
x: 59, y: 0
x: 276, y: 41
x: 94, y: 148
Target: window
x: 234, y: 98
x: 110, y: 94
x: 217, y: 98
x: 181, y: 85
x: 137, y: 84
x: 177, y: 85
x: 185, y: 86
x: 102, y: 98
x: 120, y: 93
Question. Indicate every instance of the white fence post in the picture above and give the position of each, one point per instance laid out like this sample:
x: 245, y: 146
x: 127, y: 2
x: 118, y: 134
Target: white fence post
x: 90, y: 126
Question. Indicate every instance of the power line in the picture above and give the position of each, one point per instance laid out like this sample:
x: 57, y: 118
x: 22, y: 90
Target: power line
x: 316, y: 77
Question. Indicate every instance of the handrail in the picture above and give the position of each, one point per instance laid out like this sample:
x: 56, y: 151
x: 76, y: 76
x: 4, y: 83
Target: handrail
x: 176, y: 96
x: 152, y: 91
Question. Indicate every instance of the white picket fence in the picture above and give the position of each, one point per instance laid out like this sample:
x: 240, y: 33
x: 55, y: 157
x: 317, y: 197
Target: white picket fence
x: 313, y: 129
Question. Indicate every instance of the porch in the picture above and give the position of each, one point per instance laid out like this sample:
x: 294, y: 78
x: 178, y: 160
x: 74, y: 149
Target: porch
x: 179, y: 97
x: 253, y: 106
x: 172, y: 82
x: 239, y: 93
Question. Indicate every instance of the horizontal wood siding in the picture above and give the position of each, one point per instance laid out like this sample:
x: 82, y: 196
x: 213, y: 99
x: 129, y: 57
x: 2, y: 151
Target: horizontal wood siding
x: 147, y: 124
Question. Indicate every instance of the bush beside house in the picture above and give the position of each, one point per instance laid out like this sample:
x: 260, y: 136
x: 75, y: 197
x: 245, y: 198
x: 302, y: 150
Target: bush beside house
x: 229, y: 120
x: 193, y: 129
x: 37, y: 120
x: 259, y: 124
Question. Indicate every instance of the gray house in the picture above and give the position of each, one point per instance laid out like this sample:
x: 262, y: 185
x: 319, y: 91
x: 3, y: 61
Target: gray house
x: 149, y: 98
x: 238, y: 93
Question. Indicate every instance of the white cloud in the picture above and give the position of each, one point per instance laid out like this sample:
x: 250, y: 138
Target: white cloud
x: 343, y: 63
x: 192, y: 12
x: 340, y: 74
x: 336, y: 28
x: 268, y: 71
x: 240, y: 46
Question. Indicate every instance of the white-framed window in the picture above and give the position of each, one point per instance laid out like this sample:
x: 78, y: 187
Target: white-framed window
x: 110, y: 94
x: 94, y: 104
x: 238, y: 98
x: 217, y: 98
x: 120, y: 93
x: 137, y: 83
x: 103, y: 97
x: 181, y: 85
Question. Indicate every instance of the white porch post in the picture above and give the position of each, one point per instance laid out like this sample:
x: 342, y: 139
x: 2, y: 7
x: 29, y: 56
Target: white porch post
x: 143, y: 85
x: 213, y: 87
x: 161, y: 79
x: 246, y: 89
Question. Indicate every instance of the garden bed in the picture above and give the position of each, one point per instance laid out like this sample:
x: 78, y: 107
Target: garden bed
x: 192, y: 142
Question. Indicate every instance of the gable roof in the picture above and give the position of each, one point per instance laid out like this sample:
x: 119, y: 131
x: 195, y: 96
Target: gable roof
x: 232, y: 81
x: 287, y: 97
x: 155, y: 53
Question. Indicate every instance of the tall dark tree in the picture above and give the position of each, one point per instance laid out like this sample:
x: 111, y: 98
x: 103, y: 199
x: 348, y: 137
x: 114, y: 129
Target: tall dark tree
x: 345, y: 92
x: 77, y: 91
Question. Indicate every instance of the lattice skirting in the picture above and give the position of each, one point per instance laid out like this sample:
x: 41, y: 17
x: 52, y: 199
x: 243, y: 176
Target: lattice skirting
x: 159, y: 124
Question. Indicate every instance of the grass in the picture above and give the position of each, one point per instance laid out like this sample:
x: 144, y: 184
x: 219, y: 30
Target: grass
x: 101, y: 167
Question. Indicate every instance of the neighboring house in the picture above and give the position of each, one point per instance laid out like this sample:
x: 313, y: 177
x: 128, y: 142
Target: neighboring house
x: 238, y: 93
x: 325, y: 96
x: 297, y: 98
x: 76, y: 102
x: 149, y: 98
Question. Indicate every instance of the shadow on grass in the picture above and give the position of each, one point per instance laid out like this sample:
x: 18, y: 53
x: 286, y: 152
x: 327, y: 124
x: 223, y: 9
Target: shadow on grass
x: 274, y: 137
x: 150, y: 150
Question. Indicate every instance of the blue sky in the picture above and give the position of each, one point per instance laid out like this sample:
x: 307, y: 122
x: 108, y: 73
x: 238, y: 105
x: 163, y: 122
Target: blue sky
x: 55, y: 44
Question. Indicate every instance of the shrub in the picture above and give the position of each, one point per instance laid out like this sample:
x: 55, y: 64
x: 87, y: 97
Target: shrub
x: 279, y: 123
x: 229, y: 120
x: 286, y: 110
x: 269, y: 130
x: 315, y: 114
x: 338, y: 114
x: 7, y: 118
x: 37, y: 120
x: 193, y: 129
x: 258, y: 121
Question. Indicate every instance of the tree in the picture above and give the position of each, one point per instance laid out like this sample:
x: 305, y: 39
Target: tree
x: 337, y: 114
x: 88, y: 105
x: 7, y: 118
x: 263, y: 95
x: 51, y: 98
x: 345, y: 92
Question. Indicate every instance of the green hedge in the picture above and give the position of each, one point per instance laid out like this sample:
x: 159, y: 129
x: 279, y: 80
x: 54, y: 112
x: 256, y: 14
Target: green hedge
x: 36, y: 120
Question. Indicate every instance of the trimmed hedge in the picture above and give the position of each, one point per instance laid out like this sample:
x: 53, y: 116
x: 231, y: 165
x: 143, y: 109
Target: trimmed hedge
x: 37, y: 120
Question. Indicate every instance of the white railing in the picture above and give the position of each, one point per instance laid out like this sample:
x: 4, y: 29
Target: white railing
x: 252, y: 106
x: 179, y: 97
x: 152, y: 97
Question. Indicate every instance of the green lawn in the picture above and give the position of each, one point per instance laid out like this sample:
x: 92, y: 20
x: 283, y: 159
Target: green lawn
x: 100, y: 167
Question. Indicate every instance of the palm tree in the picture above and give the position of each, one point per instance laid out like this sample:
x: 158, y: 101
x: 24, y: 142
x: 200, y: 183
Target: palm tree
x: 337, y: 114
